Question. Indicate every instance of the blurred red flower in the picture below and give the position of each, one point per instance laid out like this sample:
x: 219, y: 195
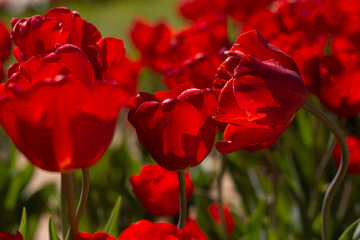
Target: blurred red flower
x: 229, y: 220
x: 339, y: 88
x: 354, y: 151
x: 260, y: 92
x: 145, y: 229
x: 56, y: 113
x: 192, y: 228
x: 191, y: 55
x: 8, y: 236
x: 94, y: 236
x: 158, y: 190
x: 175, y: 126
x: 5, y: 47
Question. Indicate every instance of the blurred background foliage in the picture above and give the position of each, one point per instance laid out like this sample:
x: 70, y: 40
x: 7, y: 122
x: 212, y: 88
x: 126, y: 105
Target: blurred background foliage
x: 273, y: 194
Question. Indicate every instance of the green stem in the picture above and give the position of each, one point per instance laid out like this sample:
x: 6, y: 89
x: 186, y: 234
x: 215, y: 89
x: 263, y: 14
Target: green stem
x: 68, y: 180
x: 63, y: 210
x: 83, y: 195
x: 182, y: 196
x: 334, y: 185
x: 84, y: 192
x: 220, y: 197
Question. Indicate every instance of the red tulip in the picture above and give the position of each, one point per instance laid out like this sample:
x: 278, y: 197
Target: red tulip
x: 260, y: 92
x: 153, y: 231
x: 158, y: 190
x: 354, y: 151
x: 192, y: 228
x: 41, y: 34
x: 44, y: 34
x: 5, y: 47
x: 56, y: 113
x: 339, y: 88
x: 229, y: 220
x: 175, y: 126
x: 8, y: 236
x: 94, y: 236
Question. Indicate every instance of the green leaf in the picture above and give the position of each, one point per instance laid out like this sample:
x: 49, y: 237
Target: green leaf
x: 351, y: 233
x: 111, y: 226
x: 52, y: 230
x: 22, y: 227
x: 255, y: 221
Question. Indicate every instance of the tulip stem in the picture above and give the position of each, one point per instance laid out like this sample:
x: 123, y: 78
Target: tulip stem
x: 83, y: 196
x: 63, y: 210
x: 84, y: 193
x: 68, y: 180
x: 219, y: 180
x: 340, y: 174
x: 182, y: 196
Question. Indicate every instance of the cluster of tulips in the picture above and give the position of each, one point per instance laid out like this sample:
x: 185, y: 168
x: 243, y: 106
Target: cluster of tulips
x: 62, y: 98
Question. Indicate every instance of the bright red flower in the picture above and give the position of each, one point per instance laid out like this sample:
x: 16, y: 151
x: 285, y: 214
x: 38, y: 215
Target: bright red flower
x: 175, y: 126
x: 229, y: 220
x: 5, y: 47
x: 192, y: 228
x: 145, y: 229
x: 259, y: 90
x: 94, y: 236
x: 354, y: 157
x: 8, y: 236
x: 56, y: 113
x: 44, y: 34
x: 41, y: 34
x: 158, y: 190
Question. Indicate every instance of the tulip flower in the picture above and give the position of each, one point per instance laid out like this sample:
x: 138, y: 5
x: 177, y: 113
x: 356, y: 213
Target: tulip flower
x: 5, y: 47
x: 194, y: 231
x: 229, y: 220
x: 354, y: 154
x: 175, y: 126
x: 158, y: 191
x: 8, y: 236
x: 56, y: 113
x: 94, y: 236
x: 145, y: 229
x: 260, y: 92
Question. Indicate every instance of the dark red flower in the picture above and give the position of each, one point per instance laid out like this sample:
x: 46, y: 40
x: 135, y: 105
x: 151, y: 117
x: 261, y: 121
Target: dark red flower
x: 354, y: 157
x: 229, y: 220
x: 8, y: 236
x: 193, y: 230
x: 145, y: 229
x: 5, y: 47
x: 175, y: 126
x: 94, y: 236
x: 158, y: 190
x: 56, y: 113
x: 259, y: 90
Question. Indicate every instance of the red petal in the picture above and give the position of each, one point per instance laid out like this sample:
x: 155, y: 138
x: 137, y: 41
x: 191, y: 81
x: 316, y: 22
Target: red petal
x: 37, y: 35
x: 254, y: 44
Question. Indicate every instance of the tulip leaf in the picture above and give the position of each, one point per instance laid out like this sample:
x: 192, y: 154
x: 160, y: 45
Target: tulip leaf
x: 352, y: 232
x: 22, y: 227
x: 111, y: 226
x: 255, y: 221
x: 52, y: 230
